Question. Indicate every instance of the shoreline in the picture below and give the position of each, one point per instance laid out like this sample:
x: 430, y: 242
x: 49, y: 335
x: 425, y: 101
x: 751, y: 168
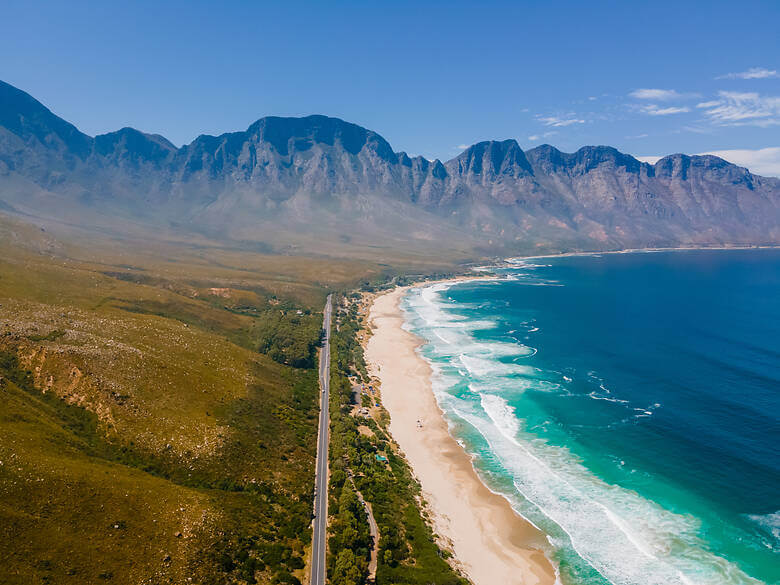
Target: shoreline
x: 490, y: 541
x: 512, y: 260
x: 642, y: 250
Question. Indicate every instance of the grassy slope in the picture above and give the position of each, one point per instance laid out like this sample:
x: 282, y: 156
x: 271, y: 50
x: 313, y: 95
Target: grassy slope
x: 184, y: 453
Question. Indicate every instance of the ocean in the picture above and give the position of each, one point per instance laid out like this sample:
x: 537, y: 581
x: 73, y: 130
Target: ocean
x: 626, y: 404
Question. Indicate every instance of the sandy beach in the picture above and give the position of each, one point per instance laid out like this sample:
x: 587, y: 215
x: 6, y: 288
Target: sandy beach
x: 491, y: 542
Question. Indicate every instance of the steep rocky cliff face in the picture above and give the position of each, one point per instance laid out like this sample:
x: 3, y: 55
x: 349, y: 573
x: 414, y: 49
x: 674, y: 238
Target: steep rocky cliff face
x: 331, y: 177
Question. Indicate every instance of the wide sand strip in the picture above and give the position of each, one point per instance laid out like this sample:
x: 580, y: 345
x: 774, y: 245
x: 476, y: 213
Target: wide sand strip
x: 491, y: 542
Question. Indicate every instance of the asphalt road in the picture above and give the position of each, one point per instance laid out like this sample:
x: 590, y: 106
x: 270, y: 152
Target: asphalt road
x: 320, y: 535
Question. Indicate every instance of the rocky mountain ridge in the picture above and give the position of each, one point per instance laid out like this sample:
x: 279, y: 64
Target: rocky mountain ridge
x: 336, y: 179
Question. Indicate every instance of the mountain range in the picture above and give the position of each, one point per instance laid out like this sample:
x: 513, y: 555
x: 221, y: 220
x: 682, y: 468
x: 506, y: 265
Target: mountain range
x: 299, y: 181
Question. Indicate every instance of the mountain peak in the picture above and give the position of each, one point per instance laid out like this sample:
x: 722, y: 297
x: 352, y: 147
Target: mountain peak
x: 27, y: 118
x: 593, y: 156
x: 300, y: 134
x: 549, y: 159
x: 492, y: 158
x: 135, y: 144
x: 681, y: 165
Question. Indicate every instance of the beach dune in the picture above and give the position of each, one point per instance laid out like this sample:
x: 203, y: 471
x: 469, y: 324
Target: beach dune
x: 492, y: 544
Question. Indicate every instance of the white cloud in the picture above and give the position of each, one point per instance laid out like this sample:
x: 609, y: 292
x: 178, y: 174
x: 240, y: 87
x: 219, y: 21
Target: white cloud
x: 536, y: 137
x: 660, y: 95
x: 743, y: 109
x: 695, y: 128
x: 752, y: 73
x: 763, y: 161
x: 649, y: 159
x: 654, y: 110
x: 462, y: 146
x: 593, y: 98
x: 663, y: 95
x: 560, y: 121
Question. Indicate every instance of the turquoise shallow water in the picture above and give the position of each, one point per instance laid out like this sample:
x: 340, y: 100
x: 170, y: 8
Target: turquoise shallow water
x: 628, y: 404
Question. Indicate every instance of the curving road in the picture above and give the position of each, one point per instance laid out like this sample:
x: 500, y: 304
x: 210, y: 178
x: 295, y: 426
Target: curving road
x: 320, y: 534
x: 373, y: 530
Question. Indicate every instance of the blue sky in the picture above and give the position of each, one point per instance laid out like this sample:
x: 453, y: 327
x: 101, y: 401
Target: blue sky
x: 650, y: 78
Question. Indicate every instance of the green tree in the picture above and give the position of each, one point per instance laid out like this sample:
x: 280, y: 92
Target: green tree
x: 346, y: 571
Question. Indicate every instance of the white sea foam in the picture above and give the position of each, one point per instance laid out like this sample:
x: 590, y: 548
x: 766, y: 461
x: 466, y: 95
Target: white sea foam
x: 597, y: 396
x: 628, y: 539
x: 478, y: 366
x: 525, y: 263
x: 769, y: 525
x: 457, y: 343
x: 517, y: 386
x: 427, y: 306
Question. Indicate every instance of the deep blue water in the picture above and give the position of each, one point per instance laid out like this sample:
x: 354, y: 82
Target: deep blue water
x: 629, y: 404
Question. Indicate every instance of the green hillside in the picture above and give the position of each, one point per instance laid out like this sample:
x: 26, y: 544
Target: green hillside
x: 158, y: 406
x: 153, y: 426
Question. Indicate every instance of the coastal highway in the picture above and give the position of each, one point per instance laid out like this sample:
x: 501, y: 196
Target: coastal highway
x: 320, y: 534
